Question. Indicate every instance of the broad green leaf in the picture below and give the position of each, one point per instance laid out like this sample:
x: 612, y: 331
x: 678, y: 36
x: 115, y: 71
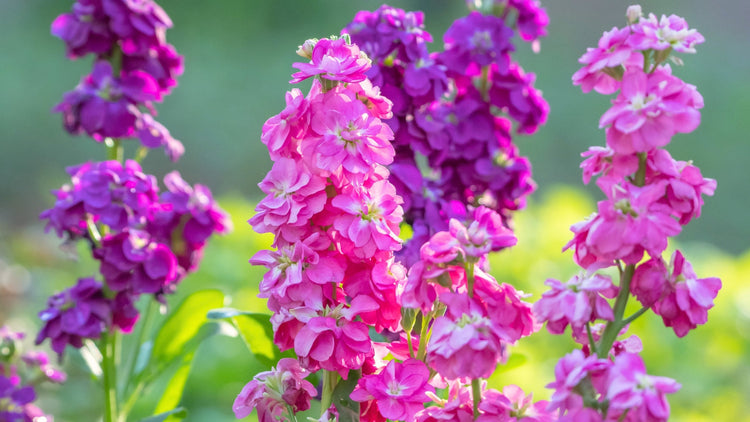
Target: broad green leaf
x: 177, y: 414
x: 173, y: 391
x: 256, y: 331
x: 183, y: 325
x: 348, y: 409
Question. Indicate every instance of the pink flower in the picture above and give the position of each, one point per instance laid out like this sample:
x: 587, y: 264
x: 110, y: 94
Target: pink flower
x: 483, y: 233
x: 650, y: 109
x: 569, y: 372
x: 464, y: 342
x: 274, y: 392
x: 677, y: 294
x: 607, y: 163
x: 611, y: 53
x: 631, y: 390
x: 331, y: 339
x: 379, y: 282
x: 293, y: 196
x: 511, y: 317
x: 369, y: 219
x: 282, y: 132
x: 458, y: 408
x: 672, y: 31
x: 335, y: 60
x: 577, y: 302
x: 399, y: 389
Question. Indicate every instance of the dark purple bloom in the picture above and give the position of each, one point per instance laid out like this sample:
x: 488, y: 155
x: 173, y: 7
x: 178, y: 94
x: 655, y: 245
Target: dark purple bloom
x: 85, y: 29
x: 78, y: 313
x: 476, y: 41
x: 139, y: 24
x: 513, y: 92
x: 162, y: 62
x: 388, y: 30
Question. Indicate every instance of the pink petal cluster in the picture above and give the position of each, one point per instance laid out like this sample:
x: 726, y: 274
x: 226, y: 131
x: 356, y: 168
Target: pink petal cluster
x: 273, y: 392
x: 666, y: 32
x: 630, y: 389
x: 675, y: 292
x: 581, y: 300
x: 399, y: 389
x: 483, y: 233
x: 335, y: 60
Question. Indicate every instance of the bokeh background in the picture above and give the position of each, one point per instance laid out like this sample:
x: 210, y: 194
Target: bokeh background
x: 238, y: 56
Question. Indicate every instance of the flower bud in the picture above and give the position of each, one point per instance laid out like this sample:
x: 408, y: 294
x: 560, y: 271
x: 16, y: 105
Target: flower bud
x: 634, y: 13
x: 306, y: 49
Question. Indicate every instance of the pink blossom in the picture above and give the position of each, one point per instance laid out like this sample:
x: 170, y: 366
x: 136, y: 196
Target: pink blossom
x: 676, y: 293
x: 579, y: 301
x: 511, y: 317
x: 274, y: 392
x: 458, y: 408
x: 650, y: 109
x: 607, y: 163
x: 483, y: 233
x: 378, y: 105
x: 399, y: 389
x: 464, y: 342
x: 346, y: 136
x: 570, y: 370
x: 335, y: 60
x: 611, y: 53
x: 293, y: 196
x: 369, y: 219
x: 379, y: 282
x: 667, y: 32
x: 282, y: 132
x: 631, y: 390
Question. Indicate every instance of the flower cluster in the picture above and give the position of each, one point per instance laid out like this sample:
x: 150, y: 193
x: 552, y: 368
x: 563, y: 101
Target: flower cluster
x: 649, y: 197
x: 453, y: 111
x: 20, y: 375
x: 134, y: 66
x: 146, y: 241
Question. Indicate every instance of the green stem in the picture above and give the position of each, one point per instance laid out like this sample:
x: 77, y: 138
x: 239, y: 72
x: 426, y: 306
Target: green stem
x: 422, y: 352
x: 613, y: 327
x: 592, y: 343
x: 136, y: 350
x: 469, y: 266
x: 411, y: 346
x: 330, y: 379
x: 114, y: 149
x: 109, y: 342
x: 633, y: 317
x: 476, y: 395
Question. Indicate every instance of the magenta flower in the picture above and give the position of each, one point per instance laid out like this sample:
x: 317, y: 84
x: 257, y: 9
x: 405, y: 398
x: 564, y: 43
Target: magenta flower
x: 399, y: 389
x: 85, y: 29
x: 577, y: 302
x: 611, y: 53
x: 650, y: 109
x: 281, y: 133
x: 458, y: 408
x: 335, y: 60
x: 608, y: 164
x: 675, y: 293
x: 570, y: 370
x: 161, y: 61
x: 667, y: 32
x: 388, y: 30
x: 631, y: 390
x: 379, y: 282
x: 276, y: 391
x: 484, y: 233
x: 532, y: 19
x: 78, y: 313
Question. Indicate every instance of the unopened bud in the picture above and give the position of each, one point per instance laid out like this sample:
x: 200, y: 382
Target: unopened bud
x: 306, y: 49
x: 634, y: 13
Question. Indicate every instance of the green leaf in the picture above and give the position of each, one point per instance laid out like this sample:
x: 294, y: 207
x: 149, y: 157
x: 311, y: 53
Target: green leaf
x: 348, y: 409
x: 177, y: 414
x: 183, y: 325
x: 514, y: 361
x: 173, y: 391
x: 256, y: 331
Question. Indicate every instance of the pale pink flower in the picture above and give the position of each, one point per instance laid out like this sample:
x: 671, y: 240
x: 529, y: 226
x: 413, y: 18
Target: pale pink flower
x: 334, y: 60
x: 650, y: 109
x: 579, y: 301
x: 570, y: 370
x: 399, y: 389
x: 276, y: 391
x: 672, y: 31
x: 631, y: 390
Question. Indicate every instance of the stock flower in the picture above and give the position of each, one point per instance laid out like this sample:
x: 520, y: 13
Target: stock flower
x: 160, y: 61
x: 513, y: 92
x: 15, y: 401
x: 605, y: 162
x: 484, y: 233
x: 399, y: 389
x: 78, y: 313
x: 611, y: 53
x: 675, y: 292
x: 153, y: 134
x: 281, y: 133
x: 476, y: 41
x: 570, y: 370
x: 389, y: 30
x: 667, y: 32
x: 273, y: 392
x: 650, y: 109
x: 630, y: 389
x: 138, y: 24
x: 379, y: 282
x: 579, y: 301
x: 532, y: 19
x: 334, y: 60
x: 39, y: 359
x: 457, y: 409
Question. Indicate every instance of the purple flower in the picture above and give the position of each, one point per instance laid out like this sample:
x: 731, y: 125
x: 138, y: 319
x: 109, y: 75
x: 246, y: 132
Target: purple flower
x: 513, y: 92
x: 16, y: 401
x: 78, y: 313
x: 85, y: 29
x: 388, y: 30
x: 161, y: 62
x: 476, y: 41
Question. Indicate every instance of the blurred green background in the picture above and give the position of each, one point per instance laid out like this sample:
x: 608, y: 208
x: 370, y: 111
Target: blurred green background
x: 238, y: 56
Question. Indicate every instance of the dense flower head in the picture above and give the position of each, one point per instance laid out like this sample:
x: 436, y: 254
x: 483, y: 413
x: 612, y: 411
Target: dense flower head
x: 16, y: 401
x: 399, y: 389
x: 612, y: 52
x: 579, y: 301
x: 276, y: 391
x: 282, y: 132
x: 109, y: 192
x: 379, y: 282
x: 388, y: 30
x: 570, y: 371
x: 73, y: 315
x: 483, y: 233
x: 513, y: 92
x: 667, y: 32
x: 335, y: 60
x: 457, y: 409
x: 475, y: 41
x: 105, y: 105
x: 675, y: 292
x: 650, y: 109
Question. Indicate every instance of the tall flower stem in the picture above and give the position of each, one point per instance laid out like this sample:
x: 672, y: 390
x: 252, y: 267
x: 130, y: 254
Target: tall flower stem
x: 330, y: 379
x: 476, y: 395
x: 114, y: 149
x: 109, y: 376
